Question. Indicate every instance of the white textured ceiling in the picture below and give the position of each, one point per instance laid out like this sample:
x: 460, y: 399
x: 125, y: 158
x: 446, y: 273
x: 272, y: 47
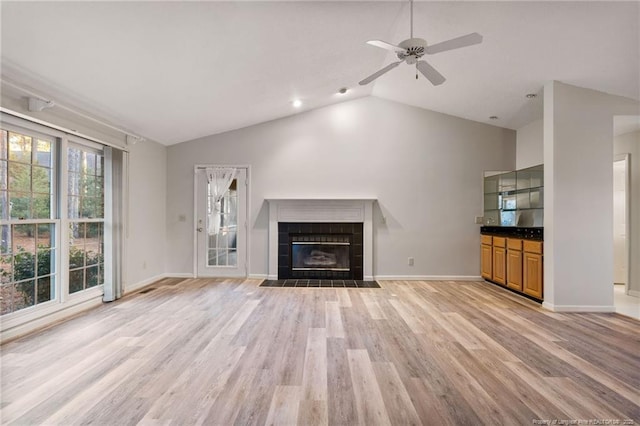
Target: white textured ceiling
x: 175, y: 71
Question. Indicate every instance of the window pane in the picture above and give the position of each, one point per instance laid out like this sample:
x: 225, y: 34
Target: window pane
x: 19, y: 205
x: 6, y: 269
x: 45, y: 262
x: 74, y: 208
x: 44, y: 290
x: 213, y: 258
x: 4, y: 205
x: 89, y: 163
x: 41, y: 206
x: 92, y: 276
x: 20, y: 148
x: 25, y: 295
x: 4, y: 145
x: 41, y: 178
x: 6, y: 299
x: 24, y: 264
x: 45, y: 235
x: 5, y: 239
x: 3, y: 174
x: 73, y: 159
x: 19, y: 177
x: 73, y: 184
x: 76, y: 280
x: 43, y: 153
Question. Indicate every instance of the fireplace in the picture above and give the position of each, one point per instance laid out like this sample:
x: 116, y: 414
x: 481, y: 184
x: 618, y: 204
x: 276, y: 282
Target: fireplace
x: 320, y: 250
x: 335, y: 236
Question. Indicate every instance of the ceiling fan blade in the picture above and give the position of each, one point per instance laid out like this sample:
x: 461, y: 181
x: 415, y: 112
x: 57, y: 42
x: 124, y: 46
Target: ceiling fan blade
x: 385, y: 45
x: 454, y: 43
x: 379, y: 73
x: 431, y: 73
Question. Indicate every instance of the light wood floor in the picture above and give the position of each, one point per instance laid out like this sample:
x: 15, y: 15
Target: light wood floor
x: 228, y: 352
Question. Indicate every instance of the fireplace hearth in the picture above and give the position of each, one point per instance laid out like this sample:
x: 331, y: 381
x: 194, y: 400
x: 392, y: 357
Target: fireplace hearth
x: 320, y: 251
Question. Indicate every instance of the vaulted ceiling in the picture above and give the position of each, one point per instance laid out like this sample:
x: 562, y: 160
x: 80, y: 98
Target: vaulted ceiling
x: 175, y: 71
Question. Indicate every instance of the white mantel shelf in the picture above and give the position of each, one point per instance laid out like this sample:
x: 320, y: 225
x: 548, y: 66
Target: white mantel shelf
x: 347, y: 210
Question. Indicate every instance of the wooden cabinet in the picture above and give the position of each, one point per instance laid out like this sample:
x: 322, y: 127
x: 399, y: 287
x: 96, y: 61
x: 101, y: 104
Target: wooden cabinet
x: 532, y: 271
x: 514, y: 264
x: 499, y: 260
x: 486, y: 256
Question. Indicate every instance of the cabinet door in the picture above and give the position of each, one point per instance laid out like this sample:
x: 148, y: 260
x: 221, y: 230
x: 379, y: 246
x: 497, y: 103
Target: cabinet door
x: 532, y: 274
x: 485, y: 256
x: 514, y: 269
x: 499, y: 265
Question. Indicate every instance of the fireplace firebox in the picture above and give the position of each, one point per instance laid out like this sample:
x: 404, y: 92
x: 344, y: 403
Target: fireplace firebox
x: 320, y: 250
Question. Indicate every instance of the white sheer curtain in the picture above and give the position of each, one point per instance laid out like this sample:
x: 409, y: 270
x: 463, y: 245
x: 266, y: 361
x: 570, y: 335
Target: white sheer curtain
x: 219, y: 180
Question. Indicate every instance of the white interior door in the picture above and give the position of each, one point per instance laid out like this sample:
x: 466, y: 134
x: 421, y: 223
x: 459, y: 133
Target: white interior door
x: 223, y: 254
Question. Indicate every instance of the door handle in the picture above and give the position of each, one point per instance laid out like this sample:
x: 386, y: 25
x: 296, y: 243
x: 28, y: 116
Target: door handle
x: 200, y: 229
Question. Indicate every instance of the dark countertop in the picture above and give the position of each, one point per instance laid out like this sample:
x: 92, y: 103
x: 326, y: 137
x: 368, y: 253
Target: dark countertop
x: 514, y: 231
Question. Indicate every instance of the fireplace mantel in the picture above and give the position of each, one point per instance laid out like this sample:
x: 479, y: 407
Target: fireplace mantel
x: 355, y: 210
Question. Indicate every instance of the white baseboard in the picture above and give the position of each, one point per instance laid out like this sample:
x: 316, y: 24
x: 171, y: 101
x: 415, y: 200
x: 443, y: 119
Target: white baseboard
x: 50, y: 319
x: 179, y: 275
x: 427, y: 278
x: 578, y: 308
x: 634, y: 293
x: 258, y: 276
x: 141, y: 284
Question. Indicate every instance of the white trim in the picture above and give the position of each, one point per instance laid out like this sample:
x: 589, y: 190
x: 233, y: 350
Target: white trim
x: 626, y: 157
x: 578, y: 308
x: 45, y: 321
x: 634, y: 293
x: 140, y: 284
x: 427, y: 278
x: 51, y: 126
x: 258, y: 277
x: 349, y: 210
x: 132, y: 288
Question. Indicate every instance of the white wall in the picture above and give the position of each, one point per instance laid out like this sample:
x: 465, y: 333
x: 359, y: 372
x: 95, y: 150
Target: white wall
x: 529, y: 145
x: 578, y: 215
x: 425, y: 169
x: 147, y: 232
x: 629, y: 143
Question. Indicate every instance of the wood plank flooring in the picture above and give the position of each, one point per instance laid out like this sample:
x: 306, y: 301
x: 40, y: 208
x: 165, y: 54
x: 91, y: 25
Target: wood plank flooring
x: 223, y: 352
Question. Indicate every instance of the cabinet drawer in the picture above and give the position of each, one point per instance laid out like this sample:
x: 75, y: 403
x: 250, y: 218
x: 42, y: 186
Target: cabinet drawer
x: 514, y: 244
x: 499, y: 242
x: 486, y: 239
x: 533, y: 246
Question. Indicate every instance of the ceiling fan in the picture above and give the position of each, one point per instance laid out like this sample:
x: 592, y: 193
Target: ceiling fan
x: 412, y: 49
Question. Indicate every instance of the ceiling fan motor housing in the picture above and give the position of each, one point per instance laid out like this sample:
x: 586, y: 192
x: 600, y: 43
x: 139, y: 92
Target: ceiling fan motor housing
x: 414, y: 50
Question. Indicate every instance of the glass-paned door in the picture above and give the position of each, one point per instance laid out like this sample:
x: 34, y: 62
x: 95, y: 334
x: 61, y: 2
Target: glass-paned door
x: 222, y: 253
x: 85, y: 209
x: 28, y: 222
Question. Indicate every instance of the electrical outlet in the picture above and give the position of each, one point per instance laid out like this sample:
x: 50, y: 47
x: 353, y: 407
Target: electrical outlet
x: 479, y: 220
x: 410, y: 261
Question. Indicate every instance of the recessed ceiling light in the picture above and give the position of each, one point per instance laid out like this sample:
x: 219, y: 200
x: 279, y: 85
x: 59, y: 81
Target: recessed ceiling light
x: 297, y: 103
x: 493, y: 117
x: 531, y: 95
x: 343, y: 90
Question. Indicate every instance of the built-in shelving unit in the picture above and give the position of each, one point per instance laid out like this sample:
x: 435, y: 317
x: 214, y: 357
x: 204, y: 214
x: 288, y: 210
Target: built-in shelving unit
x: 515, y: 198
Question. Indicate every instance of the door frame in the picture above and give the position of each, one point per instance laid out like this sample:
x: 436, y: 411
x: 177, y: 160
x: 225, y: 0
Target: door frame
x: 626, y: 157
x: 247, y: 233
